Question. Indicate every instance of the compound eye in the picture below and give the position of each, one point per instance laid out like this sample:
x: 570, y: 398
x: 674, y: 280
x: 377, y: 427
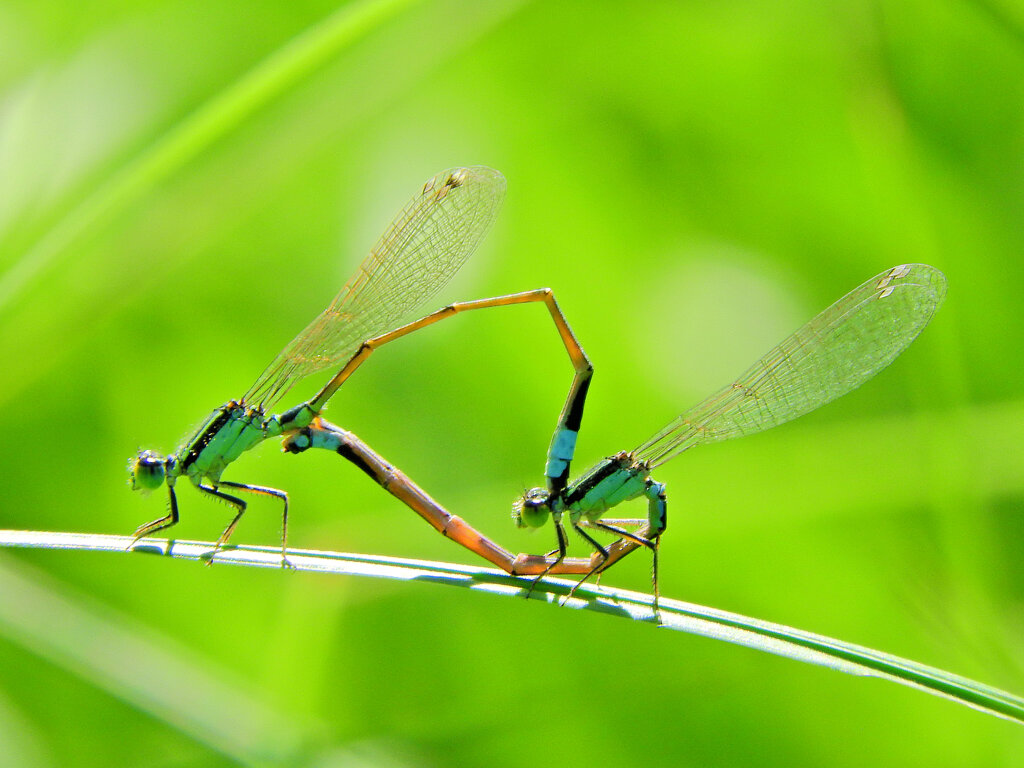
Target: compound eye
x: 147, y: 471
x: 532, y: 509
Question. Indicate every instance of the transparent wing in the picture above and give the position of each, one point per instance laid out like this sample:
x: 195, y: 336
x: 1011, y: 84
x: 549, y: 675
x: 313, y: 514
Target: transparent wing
x: 831, y: 355
x: 421, y: 250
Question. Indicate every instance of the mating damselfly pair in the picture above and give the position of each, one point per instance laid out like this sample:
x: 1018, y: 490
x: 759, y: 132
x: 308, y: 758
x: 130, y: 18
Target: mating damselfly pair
x: 419, y: 253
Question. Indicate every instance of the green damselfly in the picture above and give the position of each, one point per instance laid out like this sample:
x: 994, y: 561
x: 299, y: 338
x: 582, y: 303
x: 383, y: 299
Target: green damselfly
x: 424, y: 246
x: 831, y: 355
x: 419, y: 253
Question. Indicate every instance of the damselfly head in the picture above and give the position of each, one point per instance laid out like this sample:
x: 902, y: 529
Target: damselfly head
x: 531, y: 510
x: 148, y: 470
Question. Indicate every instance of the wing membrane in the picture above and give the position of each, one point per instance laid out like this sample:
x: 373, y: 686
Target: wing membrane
x: 418, y: 254
x: 831, y: 355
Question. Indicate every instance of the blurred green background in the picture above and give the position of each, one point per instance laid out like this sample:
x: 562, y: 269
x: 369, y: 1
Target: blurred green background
x: 694, y: 180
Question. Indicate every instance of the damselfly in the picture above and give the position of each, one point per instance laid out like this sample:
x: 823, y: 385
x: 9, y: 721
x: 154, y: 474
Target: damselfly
x: 831, y: 355
x: 424, y: 246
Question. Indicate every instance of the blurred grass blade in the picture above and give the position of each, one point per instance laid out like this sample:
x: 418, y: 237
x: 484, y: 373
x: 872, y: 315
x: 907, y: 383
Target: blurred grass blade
x: 149, y: 671
x: 269, y: 79
x: 1006, y: 15
x: 686, y: 617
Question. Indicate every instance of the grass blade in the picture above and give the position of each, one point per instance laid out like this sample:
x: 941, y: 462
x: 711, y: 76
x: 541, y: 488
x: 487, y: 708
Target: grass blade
x: 677, y: 615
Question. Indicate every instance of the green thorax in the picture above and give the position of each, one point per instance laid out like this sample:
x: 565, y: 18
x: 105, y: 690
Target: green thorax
x: 230, y: 431
x: 610, y: 482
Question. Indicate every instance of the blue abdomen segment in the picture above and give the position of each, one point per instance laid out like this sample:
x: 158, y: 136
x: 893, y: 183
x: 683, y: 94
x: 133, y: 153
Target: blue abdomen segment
x: 560, y: 453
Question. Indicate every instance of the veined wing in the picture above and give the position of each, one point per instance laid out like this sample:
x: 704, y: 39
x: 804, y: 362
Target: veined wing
x: 419, y: 252
x: 831, y: 355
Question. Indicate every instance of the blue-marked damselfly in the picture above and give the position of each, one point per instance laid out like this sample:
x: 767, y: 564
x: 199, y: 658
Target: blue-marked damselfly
x: 834, y: 353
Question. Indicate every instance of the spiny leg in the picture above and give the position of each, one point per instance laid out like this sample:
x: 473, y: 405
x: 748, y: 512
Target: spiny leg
x: 239, y: 507
x: 563, y: 548
x: 654, y: 575
x: 160, y: 524
x: 262, y: 490
x: 627, y: 542
x: 616, y: 551
x: 600, y: 554
x: 657, y: 517
x: 648, y: 536
x: 645, y: 541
